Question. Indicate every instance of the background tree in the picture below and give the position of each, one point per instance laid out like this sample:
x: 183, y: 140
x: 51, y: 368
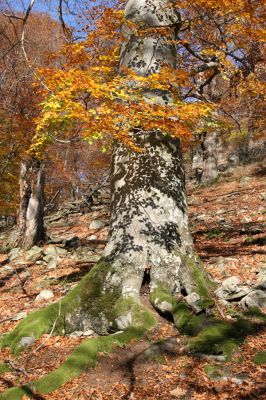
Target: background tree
x: 20, y: 107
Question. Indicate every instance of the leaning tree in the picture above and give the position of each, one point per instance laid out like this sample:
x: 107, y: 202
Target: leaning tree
x: 149, y: 233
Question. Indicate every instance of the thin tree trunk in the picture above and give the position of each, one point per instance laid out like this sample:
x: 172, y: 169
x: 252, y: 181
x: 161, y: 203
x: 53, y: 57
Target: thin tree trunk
x: 30, y: 219
x: 210, y: 163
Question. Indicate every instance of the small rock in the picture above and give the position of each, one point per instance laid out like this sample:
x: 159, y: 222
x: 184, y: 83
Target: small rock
x: 15, y: 253
x: 123, y: 321
x: 54, y: 251
x: 220, y: 211
x: 45, y: 294
x: 261, y: 280
x: 237, y: 381
x: 245, y: 179
x: 256, y: 298
x: 7, y: 268
x: 202, y: 218
x: 192, y: 300
x: 40, y: 262
x: 232, y: 289
x: 19, y: 316
x: 246, y: 220
x: 76, y: 334
x: 97, y: 224
x: 51, y: 261
x: 231, y: 284
x: 33, y: 254
x: 92, y: 237
x: 27, y: 341
x: 89, y: 332
x: 263, y: 196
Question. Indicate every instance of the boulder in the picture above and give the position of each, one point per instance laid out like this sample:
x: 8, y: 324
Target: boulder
x: 256, y: 298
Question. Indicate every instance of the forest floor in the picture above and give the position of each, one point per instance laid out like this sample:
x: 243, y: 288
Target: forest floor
x: 226, y: 221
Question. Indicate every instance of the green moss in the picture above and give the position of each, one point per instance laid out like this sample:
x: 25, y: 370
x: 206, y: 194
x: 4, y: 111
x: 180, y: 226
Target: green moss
x: 34, y: 325
x: 203, y: 284
x: 88, y: 295
x: 4, y: 368
x: 260, y: 358
x: 220, y: 337
x: 84, y: 356
x: 213, y: 371
x: 255, y: 313
x: 213, y: 233
x: 161, y: 295
x: 140, y: 316
x: 186, y: 321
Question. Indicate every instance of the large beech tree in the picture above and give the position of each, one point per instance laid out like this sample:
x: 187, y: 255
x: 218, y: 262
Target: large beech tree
x: 149, y: 233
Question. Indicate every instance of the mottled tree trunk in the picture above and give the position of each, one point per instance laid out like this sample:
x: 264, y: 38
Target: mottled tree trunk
x: 149, y: 232
x: 149, y: 222
x: 30, y: 218
x: 210, y: 157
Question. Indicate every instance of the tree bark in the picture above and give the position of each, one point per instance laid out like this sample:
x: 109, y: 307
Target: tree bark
x: 210, y: 157
x: 149, y: 232
x: 30, y: 218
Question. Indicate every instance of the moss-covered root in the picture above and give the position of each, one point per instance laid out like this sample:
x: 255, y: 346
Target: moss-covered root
x: 209, y: 335
x: 85, y: 356
x: 87, y: 304
x: 194, y: 279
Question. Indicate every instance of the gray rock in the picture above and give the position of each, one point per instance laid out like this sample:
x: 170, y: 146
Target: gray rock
x: 232, y: 289
x: 89, y: 332
x: 256, y: 298
x: 192, y: 300
x: 261, y: 280
x: 124, y: 321
x: 263, y: 196
x: 97, y: 224
x: 27, y: 341
x: 76, y: 334
x: 19, y: 316
x: 92, y: 237
x: 245, y: 179
x: 85, y: 254
x: 7, y: 268
x: 33, y: 254
x: 40, y: 262
x: 45, y: 294
x: 246, y: 220
x: 202, y: 218
x: 231, y: 284
x: 53, y: 263
x: 54, y: 251
x: 15, y: 253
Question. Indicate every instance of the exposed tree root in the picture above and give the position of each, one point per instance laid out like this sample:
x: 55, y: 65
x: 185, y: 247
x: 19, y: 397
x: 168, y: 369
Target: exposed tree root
x: 84, y: 356
x: 98, y: 302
